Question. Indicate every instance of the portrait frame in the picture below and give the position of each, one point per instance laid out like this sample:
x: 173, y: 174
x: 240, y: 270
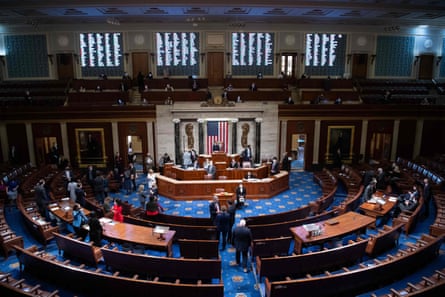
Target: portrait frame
x: 340, y: 145
x: 90, y: 144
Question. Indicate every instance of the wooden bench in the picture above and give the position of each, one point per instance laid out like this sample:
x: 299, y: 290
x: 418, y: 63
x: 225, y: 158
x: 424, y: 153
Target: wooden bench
x: 294, y: 214
x: 78, y: 249
x: 409, y: 218
x: 195, y: 249
x: 387, y: 238
x: 39, y: 227
x: 438, y: 226
x: 351, y: 281
x: 98, y: 283
x: 298, y: 265
x: 269, y: 247
x: 429, y: 286
x: 163, y: 267
x: 8, y: 238
x: 12, y: 287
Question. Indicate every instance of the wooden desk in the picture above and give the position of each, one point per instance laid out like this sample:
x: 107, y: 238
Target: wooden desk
x: 180, y: 173
x: 123, y: 232
x: 204, y: 189
x: 336, y: 227
x: 376, y: 209
x: 63, y: 210
x: 223, y: 197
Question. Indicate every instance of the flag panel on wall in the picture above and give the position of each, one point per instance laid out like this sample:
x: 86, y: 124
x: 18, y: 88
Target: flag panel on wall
x: 217, y: 136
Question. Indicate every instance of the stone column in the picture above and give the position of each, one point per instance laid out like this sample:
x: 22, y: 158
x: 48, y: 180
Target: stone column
x: 258, y: 140
x: 178, y: 157
x: 201, y: 136
x: 234, y: 135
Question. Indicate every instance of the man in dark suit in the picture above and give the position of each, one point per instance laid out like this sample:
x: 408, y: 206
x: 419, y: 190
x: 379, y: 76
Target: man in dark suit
x: 428, y: 196
x: 215, y: 147
x: 247, y: 153
x: 211, y: 169
x: 214, y: 208
x: 240, y: 196
x: 275, y: 168
x: 222, y: 222
x: 242, y: 238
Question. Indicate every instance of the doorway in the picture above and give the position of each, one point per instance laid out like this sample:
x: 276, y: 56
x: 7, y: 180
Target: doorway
x: 359, y: 65
x: 426, y: 66
x: 65, y: 66
x: 43, y: 149
x: 298, y: 148
x: 215, y: 68
x: 380, y: 147
x: 134, y: 151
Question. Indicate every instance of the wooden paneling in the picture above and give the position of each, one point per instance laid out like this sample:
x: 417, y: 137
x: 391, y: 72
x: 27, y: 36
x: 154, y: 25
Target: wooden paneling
x: 433, y: 138
x: 17, y: 137
x: 215, y: 68
x: 405, y: 142
x: 65, y: 66
x: 426, y: 66
x: 140, y: 63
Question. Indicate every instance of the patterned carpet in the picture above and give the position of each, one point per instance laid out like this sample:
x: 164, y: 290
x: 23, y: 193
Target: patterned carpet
x: 236, y: 282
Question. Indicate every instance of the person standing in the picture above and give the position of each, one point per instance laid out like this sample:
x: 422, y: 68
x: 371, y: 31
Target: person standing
x: 99, y: 187
x: 133, y: 176
x: 148, y: 163
x: 142, y: 195
x: 95, y: 229
x: 240, y: 196
x: 222, y: 222
x: 214, y: 208
x: 242, y: 239
x: 117, y: 211
x: 71, y: 189
x: 231, y: 210
x: 428, y: 196
x: 79, y: 219
x: 151, y: 179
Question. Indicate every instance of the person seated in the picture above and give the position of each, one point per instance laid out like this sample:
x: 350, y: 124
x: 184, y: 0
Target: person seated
x: 407, y: 202
x: 259, y: 75
x: 250, y: 175
x: 229, y: 87
x: 152, y: 207
x: 275, y: 167
x: 195, y: 85
x: 289, y: 100
x: 233, y: 164
x: 196, y: 164
x: 253, y: 87
x: 169, y: 88
x: 338, y: 100
x: 149, y: 75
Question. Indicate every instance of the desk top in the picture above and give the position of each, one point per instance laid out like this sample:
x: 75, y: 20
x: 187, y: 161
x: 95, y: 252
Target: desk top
x: 339, y: 226
x: 135, y: 234
x: 379, y: 205
x: 63, y: 209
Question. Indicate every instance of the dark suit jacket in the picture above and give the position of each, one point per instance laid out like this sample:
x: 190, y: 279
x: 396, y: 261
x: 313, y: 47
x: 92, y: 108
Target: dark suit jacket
x: 427, y: 193
x: 275, y: 168
x: 213, y: 210
x: 240, y: 192
x: 242, y: 238
x: 222, y: 222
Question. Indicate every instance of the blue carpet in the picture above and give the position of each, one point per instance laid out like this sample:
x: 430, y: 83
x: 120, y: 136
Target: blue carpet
x: 236, y: 282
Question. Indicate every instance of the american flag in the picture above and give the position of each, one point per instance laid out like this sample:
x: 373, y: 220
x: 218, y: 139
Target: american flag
x: 217, y: 132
